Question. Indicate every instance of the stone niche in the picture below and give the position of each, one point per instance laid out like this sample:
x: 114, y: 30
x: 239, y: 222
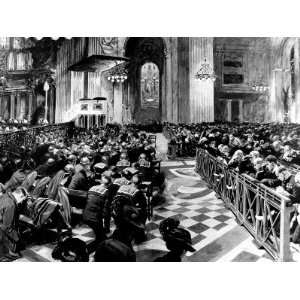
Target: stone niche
x: 239, y: 64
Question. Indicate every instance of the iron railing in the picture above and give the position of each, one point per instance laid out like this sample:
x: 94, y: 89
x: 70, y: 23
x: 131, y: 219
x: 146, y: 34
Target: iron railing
x: 12, y: 142
x: 262, y: 211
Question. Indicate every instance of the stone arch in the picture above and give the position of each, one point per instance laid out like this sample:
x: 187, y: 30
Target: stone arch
x: 141, y: 50
x: 283, y: 52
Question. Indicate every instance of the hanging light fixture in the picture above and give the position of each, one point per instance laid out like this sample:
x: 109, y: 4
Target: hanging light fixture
x: 205, y: 72
x: 118, y: 73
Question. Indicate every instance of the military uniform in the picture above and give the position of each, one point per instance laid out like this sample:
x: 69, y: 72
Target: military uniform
x: 137, y: 197
x: 94, y: 211
x: 113, y: 189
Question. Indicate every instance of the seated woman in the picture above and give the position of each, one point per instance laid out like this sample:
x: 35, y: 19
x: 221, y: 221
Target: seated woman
x: 178, y: 240
x: 10, y: 204
x: 235, y: 161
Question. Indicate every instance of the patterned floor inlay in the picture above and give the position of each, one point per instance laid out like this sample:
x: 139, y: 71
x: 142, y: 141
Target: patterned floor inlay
x: 215, y: 234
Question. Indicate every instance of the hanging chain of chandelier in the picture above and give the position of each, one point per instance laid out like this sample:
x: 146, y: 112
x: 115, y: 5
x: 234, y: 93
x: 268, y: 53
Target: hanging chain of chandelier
x: 205, y: 72
x: 118, y: 73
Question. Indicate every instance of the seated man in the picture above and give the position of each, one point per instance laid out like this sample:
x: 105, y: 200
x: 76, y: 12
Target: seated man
x: 145, y: 167
x: 80, y: 184
x: 138, y: 199
x: 80, y: 179
x: 123, y: 162
x: 119, y: 248
x: 94, y: 211
x: 267, y: 175
x: 9, y: 215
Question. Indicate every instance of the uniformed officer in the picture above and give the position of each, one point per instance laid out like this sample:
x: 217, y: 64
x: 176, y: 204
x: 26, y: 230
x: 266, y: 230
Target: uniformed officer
x: 94, y: 211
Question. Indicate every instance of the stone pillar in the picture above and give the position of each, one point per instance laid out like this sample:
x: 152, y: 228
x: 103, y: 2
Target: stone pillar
x: 174, y: 78
x: 201, y: 92
x: 168, y: 86
x: 1, y: 106
x: 297, y: 80
x: 30, y: 103
x: 117, y: 103
x: 241, y: 111
x: 229, y: 110
x: 18, y: 107
x: 51, y: 99
x: 279, y: 109
x: 12, y: 106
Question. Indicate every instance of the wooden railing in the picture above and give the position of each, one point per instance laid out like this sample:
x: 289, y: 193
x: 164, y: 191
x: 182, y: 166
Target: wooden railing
x: 263, y: 212
x: 12, y: 142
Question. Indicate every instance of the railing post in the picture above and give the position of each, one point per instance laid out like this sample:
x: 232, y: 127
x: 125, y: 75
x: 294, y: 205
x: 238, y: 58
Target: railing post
x: 285, y: 251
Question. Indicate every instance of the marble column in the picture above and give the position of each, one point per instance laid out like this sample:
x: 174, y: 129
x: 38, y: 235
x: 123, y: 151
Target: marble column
x: 229, y: 110
x: 1, y: 106
x: 51, y: 104
x: 241, y: 111
x: 276, y: 96
x: 117, y: 103
x: 168, y: 86
x: 18, y: 107
x: 30, y: 103
x: 297, y: 81
x: 12, y: 106
x: 174, y: 72
x: 201, y: 92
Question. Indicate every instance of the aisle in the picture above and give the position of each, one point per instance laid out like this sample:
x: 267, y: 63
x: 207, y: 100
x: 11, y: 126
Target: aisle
x: 215, y: 233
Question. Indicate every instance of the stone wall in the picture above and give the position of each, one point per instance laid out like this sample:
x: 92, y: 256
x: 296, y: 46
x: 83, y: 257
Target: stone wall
x: 251, y: 59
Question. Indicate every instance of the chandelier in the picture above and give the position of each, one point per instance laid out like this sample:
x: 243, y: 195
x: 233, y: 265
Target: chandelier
x: 205, y: 72
x: 118, y: 73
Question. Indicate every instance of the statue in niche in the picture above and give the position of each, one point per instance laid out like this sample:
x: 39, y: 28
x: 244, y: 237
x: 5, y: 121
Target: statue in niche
x: 150, y: 85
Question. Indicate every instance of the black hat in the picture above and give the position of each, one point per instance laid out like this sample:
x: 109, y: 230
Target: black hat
x: 113, y: 250
x: 71, y: 250
x: 100, y: 167
x: 176, y: 236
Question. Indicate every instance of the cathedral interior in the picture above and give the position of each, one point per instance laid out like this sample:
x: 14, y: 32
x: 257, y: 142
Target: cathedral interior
x: 86, y: 98
x: 256, y: 80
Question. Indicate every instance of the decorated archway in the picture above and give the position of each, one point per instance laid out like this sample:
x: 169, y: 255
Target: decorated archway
x: 144, y: 90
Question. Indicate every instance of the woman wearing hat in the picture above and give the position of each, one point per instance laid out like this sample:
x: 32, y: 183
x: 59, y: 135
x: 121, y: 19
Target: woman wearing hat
x: 178, y: 240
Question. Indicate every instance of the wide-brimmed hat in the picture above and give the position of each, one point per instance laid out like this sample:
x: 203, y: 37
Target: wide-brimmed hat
x: 100, y: 167
x: 178, y: 236
x: 85, y: 161
x: 113, y: 250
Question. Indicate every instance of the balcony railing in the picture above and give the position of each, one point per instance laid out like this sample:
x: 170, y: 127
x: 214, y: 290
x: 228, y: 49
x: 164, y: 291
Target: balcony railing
x: 262, y: 211
x: 12, y: 142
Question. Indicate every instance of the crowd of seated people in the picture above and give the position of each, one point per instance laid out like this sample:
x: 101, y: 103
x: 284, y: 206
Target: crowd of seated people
x: 107, y: 174
x: 268, y: 153
x: 13, y: 125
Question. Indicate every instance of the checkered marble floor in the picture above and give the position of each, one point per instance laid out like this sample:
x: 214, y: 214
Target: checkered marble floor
x: 214, y: 231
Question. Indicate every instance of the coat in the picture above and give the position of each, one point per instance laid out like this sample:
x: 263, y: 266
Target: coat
x: 9, y: 235
x: 79, y: 181
x: 94, y: 210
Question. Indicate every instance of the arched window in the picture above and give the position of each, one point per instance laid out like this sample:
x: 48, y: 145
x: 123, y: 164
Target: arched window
x: 149, y: 85
x: 292, y: 68
x: 4, y: 42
